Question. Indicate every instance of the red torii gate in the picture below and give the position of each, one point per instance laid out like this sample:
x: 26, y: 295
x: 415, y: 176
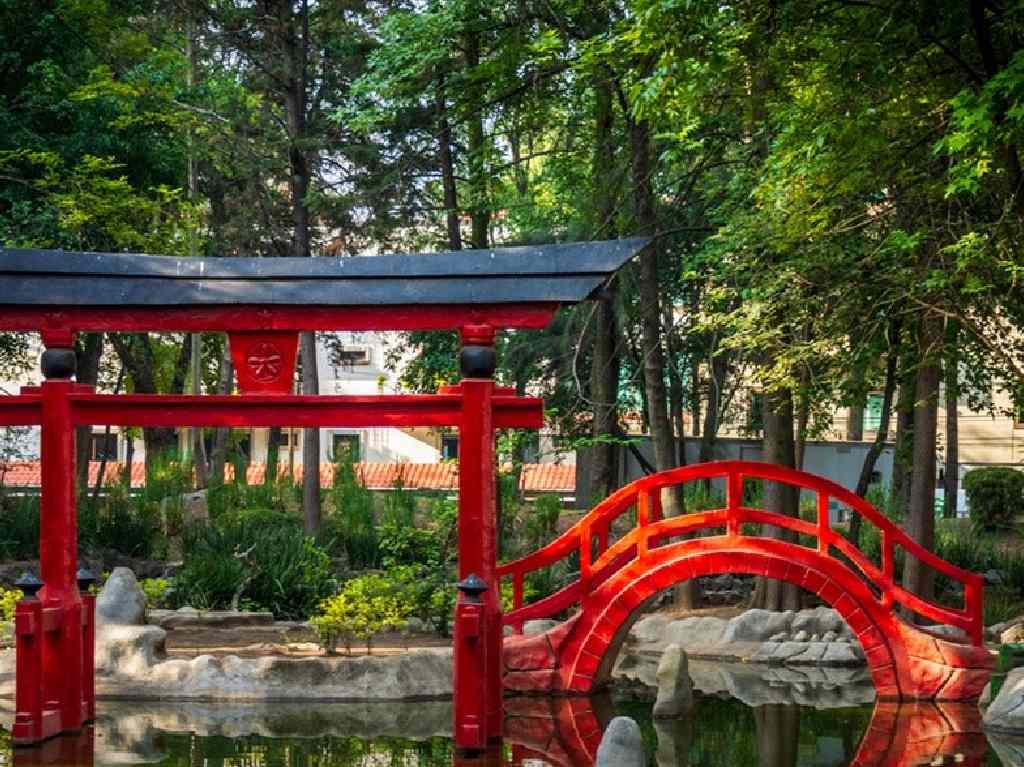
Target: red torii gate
x: 263, y: 304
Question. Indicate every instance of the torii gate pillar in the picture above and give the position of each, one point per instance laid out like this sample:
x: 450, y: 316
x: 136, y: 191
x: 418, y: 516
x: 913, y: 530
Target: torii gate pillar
x: 477, y: 626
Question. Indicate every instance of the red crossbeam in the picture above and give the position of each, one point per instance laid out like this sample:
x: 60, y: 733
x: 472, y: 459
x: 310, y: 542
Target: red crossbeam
x: 196, y: 319
x: 252, y: 410
x: 599, y: 561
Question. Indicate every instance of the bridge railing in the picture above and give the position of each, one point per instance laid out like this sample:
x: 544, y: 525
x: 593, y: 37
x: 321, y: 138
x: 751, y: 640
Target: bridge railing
x: 598, y: 561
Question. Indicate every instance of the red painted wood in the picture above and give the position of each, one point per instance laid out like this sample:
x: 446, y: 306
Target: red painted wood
x: 477, y: 540
x: 257, y: 317
x: 261, y: 410
x: 264, y: 361
x: 608, y: 590
x: 62, y: 652
x: 968, y: 618
x: 28, y: 701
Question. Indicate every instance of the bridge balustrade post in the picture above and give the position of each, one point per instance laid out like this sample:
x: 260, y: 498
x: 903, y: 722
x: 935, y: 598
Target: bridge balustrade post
x: 477, y: 536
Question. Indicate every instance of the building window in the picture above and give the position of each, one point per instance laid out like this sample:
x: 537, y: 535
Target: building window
x: 755, y: 421
x: 873, y: 413
x: 295, y: 437
x: 450, y: 447
x: 345, y: 447
x: 1018, y: 413
x: 103, y: 447
x: 348, y: 357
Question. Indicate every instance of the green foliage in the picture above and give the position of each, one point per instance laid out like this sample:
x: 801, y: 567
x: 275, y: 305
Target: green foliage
x: 19, y: 530
x: 350, y: 526
x: 363, y: 606
x: 1002, y: 604
x: 228, y: 497
x: 257, y: 559
x: 157, y: 591
x: 9, y: 599
x: 399, y: 505
x: 996, y: 496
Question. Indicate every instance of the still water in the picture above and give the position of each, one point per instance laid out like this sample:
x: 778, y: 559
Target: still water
x: 718, y: 733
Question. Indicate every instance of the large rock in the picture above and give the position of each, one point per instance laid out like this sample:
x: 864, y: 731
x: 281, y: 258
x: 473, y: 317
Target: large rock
x: 758, y: 625
x: 621, y: 745
x: 820, y: 620
x: 131, y: 664
x: 189, y: 617
x: 1006, y: 713
x: 122, y: 601
x: 532, y: 628
x: 675, y: 691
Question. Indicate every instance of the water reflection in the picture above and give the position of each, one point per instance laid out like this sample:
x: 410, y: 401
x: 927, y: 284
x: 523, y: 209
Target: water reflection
x: 566, y: 732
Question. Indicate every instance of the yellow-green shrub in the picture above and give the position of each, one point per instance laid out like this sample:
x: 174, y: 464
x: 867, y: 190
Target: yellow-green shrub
x: 363, y: 607
x: 9, y: 599
x: 157, y: 591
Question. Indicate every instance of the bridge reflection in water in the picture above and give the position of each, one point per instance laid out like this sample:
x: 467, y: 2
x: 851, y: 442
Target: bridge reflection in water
x: 566, y: 732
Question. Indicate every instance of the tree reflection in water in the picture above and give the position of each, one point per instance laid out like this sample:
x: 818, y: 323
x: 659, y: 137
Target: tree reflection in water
x: 566, y: 732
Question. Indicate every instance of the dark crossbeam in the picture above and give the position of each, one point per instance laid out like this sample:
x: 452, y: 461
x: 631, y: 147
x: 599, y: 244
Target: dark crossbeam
x: 517, y: 287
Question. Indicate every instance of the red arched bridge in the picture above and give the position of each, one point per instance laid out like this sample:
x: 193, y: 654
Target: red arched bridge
x: 615, y: 580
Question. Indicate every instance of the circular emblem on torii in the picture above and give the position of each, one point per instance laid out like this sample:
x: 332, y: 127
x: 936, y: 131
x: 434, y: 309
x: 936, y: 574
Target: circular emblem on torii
x: 264, y: 361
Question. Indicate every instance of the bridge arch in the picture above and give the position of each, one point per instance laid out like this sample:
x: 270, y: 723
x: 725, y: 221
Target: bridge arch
x: 615, y: 580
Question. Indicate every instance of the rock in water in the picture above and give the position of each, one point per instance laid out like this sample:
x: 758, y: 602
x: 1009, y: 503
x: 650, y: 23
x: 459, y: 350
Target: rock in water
x: 621, y: 745
x: 122, y: 601
x: 675, y: 691
x: 1006, y: 713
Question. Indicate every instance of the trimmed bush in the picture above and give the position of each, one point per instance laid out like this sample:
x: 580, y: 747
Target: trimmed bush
x: 996, y: 495
x: 258, y: 559
x: 364, y: 606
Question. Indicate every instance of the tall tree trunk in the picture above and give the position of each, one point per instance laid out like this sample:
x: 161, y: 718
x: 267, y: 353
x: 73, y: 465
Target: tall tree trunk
x: 136, y: 353
x: 902, y: 459
x: 221, y: 436
x: 605, y: 364
x: 273, y: 454
x: 87, y: 368
x: 802, y: 417
x: 881, y: 436
x: 855, y: 422
x: 310, y: 439
x: 689, y: 594
x: 480, y: 213
x: 778, y: 735
x: 855, y: 412
x: 444, y: 140
x: 198, y: 445
x: 920, y: 524
x: 779, y: 448
x: 951, y: 474
x: 296, y: 105
x: 719, y: 369
x: 662, y: 434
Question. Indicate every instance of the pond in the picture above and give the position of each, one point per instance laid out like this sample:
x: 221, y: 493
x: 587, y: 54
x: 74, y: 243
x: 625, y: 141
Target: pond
x: 719, y: 732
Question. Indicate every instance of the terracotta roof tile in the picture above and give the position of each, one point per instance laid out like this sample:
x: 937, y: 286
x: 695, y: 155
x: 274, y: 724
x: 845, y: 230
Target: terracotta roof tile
x: 536, y: 478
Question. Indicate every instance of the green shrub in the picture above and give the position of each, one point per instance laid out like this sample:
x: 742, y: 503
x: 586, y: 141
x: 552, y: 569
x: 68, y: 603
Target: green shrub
x: 157, y: 591
x: 399, y: 505
x: 350, y: 528
x: 363, y: 607
x: 9, y: 599
x: 229, y: 497
x: 257, y: 559
x: 995, y: 495
x: 1001, y: 604
x: 19, y: 526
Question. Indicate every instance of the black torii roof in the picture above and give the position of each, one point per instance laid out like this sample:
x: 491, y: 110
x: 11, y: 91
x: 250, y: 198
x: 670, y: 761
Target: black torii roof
x: 562, y: 274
